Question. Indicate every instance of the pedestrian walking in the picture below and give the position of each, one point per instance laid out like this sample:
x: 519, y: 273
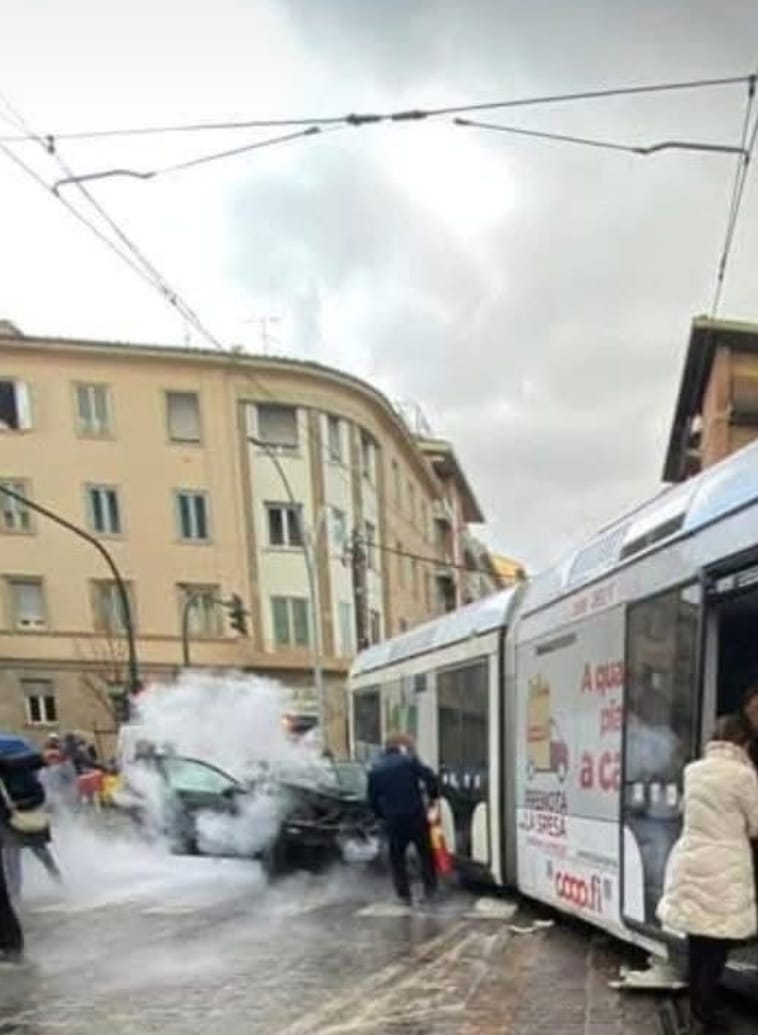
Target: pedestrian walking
x: 709, y: 891
x: 395, y: 793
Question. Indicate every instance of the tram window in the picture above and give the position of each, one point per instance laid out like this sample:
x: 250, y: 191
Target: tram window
x: 659, y: 731
x: 462, y: 701
x: 660, y: 686
x: 367, y: 722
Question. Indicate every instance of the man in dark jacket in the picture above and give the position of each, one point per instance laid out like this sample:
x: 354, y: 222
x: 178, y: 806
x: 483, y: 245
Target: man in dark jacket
x: 394, y: 791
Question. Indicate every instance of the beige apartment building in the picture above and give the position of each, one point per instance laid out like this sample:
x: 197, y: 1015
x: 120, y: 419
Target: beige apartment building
x: 199, y: 471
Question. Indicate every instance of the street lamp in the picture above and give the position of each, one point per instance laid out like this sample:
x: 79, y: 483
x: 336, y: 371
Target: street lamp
x: 313, y: 595
x: 134, y: 680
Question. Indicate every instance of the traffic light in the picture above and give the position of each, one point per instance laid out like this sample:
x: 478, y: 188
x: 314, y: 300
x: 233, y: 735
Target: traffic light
x: 237, y: 614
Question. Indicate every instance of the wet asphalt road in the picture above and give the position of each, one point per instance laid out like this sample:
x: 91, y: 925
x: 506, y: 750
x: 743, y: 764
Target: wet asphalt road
x: 141, y: 943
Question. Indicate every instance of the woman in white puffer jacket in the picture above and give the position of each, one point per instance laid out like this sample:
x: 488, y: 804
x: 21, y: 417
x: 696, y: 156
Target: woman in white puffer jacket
x: 709, y: 891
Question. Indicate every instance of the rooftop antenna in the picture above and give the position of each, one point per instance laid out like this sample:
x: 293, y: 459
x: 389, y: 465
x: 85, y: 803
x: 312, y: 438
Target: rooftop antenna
x: 267, y: 338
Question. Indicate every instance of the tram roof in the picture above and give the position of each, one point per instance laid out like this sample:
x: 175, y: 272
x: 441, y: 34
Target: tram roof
x: 482, y: 616
x: 676, y: 511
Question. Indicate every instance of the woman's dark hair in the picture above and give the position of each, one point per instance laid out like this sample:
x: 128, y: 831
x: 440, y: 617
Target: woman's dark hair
x: 733, y: 729
x: 749, y: 694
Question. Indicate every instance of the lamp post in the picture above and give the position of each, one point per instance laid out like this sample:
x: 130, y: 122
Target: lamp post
x: 313, y: 594
x: 134, y: 680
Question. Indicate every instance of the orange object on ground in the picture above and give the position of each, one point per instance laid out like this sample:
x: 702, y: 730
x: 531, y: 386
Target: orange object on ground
x: 90, y: 784
x: 443, y: 861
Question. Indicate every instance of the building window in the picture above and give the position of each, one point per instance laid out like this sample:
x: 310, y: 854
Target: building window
x: 203, y: 615
x: 402, y: 625
x: 375, y: 626
x: 414, y: 577
x: 192, y: 516
x: 285, y: 526
x: 290, y: 617
x: 339, y: 528
x: 334, y: 431
x: 183, y: 416
x: 93, y: 410
x: 15, y: 516
x: 400, y: 557
x: 27, y: 601
x: 370, y: 536
x: 412, y: 503
x: 15, y: 407
x: 277, y: 426
x: 104, y: 511
x: 108, y: 608
x: 396, y: 482
x: 347, y: 631
x: 428, y: 591
x: 41, y: 706
x: 368, y: 458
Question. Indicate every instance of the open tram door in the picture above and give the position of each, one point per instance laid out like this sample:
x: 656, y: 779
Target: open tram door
x: 730, y: 667
x: 690, y: 654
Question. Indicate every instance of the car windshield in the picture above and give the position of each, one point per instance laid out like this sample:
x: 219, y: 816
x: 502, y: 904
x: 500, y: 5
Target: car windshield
x: 351, y: 777
x: 324, y: 775
x: 189, y: 775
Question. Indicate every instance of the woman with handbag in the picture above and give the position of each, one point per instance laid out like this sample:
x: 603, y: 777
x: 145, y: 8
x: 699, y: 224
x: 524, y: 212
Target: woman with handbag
x: 24, y: 823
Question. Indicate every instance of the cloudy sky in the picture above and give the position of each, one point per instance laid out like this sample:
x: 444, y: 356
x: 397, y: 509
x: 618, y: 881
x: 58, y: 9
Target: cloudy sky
x: 533, y: 298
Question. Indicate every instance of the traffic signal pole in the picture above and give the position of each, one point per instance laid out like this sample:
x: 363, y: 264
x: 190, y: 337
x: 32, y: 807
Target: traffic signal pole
x: 233, y: 605
x: 134, y: 679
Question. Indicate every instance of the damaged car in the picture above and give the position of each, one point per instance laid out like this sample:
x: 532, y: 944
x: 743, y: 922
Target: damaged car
x: 299, y: 816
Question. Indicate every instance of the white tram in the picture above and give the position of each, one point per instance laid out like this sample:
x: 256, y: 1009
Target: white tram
x: 560, y: 714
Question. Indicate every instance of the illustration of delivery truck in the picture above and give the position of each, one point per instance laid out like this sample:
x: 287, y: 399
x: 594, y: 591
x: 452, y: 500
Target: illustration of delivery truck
x: 547, y: 752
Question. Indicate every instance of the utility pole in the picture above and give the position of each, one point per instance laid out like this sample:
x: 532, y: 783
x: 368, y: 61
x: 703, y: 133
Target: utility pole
x: 360, y: 590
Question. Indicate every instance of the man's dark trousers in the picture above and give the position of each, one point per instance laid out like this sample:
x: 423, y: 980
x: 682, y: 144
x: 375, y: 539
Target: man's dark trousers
x: 403, y: 831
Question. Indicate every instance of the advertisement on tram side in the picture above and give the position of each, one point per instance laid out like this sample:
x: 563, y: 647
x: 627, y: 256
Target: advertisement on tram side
x: 570, y: 685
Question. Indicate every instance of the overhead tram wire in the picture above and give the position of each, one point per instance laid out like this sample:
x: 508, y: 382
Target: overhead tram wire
x: 4, y: 149
x: 150, y: 279
x: 738, y: 191
x: 136, y: 260
x: 370, y: 118
x: 161, y: 285
x: 193, y: 162
x: 606, y: 145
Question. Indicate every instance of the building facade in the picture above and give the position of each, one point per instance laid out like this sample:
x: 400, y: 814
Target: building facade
x: 717, y: 407
x: 201, y: 473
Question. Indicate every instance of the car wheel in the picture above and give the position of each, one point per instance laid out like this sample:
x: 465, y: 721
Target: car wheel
x: 273, y: 859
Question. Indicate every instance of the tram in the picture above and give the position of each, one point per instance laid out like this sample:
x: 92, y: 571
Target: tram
x: 560, y: 714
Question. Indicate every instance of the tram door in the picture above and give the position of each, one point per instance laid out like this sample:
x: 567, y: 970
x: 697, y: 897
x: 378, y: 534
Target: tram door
x: 731, y: 652
x: 660, y: 737
x: 463, y: 725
